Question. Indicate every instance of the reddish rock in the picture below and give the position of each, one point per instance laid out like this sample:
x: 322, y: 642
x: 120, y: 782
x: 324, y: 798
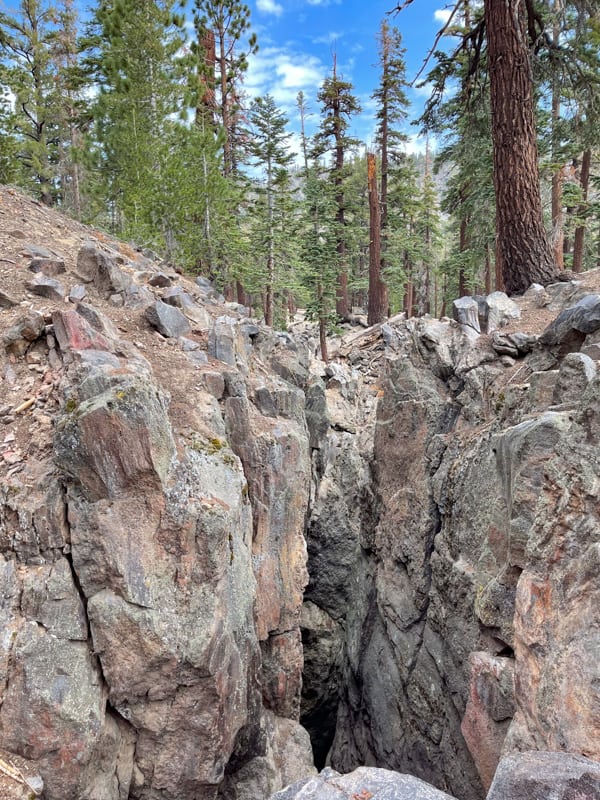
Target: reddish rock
x: 74, y: 333
x: 489, y: 711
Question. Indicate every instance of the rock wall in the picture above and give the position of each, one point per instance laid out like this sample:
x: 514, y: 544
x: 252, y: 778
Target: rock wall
x: 469, y: 626
x: 153, y: 561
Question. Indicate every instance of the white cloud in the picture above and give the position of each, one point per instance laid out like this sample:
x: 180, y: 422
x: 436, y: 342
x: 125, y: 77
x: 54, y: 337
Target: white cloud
x: 324, y: 2
x: 269, y: 7
x: 327, y: 38
x: 423, y: 90
x: 442, y: 15
x: 283, y: 73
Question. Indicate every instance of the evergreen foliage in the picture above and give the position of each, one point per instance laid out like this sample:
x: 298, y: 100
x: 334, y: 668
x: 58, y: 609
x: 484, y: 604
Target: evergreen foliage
x: 131, y: 125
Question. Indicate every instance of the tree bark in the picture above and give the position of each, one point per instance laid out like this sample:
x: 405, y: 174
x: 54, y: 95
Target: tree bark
x: 579, y: 237
x: 378, y: 303
x: 557, y: 211
x: 523, y: 249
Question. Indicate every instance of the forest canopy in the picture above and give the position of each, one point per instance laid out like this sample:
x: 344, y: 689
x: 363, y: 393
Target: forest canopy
x: 136, y: 120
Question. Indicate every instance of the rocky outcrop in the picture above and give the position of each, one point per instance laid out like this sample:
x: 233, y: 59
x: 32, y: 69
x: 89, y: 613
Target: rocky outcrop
x: 153, y: 565
x: 207, y: 537
x: 473, y: 590
x: 563, y: 776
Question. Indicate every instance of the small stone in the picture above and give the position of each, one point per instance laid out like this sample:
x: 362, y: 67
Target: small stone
x: 46, y: 287
x: 576, y: 372
x: 38, y: 251
x: 198, y: 357
x: 160, y: 279
x: 12, y: 457
x: 499, y: 311
x: 466, y: 311
x: 214, y: 383
x: 6, y: 301
x: 538, y: 295
x: 16, y: 234
x: 48, y: 266
x: 77, y: 293
x: 167, y: 320
x: 27, y: 329
x: 137, y: 296
x: 507, y: 361
x: 116, y: 300
x: 99, y: 268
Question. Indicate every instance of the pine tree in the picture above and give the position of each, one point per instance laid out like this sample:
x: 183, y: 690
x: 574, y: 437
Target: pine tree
x: 319, y: 253
x: 222, y: 26
x: 392, y: 112
x: 378, y: 302
x: 131, y: 55
x: 338, y: 105
x: 403, y: 245
x: 26, y: 38
x: 70, y: 107
x: 268, y: 147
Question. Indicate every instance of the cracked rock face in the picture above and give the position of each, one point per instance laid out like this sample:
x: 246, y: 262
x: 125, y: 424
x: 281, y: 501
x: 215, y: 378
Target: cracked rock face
x: 471, y: 626
x: 152, y: 584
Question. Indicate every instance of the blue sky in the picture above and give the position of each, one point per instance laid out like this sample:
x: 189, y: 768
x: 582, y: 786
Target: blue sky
x: 297, y: 40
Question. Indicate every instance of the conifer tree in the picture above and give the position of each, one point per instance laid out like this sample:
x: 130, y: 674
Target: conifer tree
x: 131, y: 55
x: 391, y: 113
x: 319, y: 252
x: 338, y: 106
x: 25, y: 42
x: 223, y: 33
x: 268, y: 148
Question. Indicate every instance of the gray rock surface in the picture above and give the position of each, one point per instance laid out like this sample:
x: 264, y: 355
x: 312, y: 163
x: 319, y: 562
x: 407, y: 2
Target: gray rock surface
x: 365, y: 783
x: 49, y: 266
x: 466, y: 311
x: 6, y: 301
x: 546, y: 776
x: 575, y: 374
x: 167, y: 320
x: 19, y: 337
x: 568, y: 331
x: 100, y: 268
x: 500, y: 310
x: 47, y: 287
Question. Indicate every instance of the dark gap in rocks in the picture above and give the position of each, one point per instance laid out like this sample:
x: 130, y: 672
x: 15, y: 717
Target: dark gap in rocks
x: 320, y: 701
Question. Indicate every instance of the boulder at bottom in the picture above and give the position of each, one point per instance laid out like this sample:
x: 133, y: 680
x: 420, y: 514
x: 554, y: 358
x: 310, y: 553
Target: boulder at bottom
x: 365, y: 783
x: 546, y: 776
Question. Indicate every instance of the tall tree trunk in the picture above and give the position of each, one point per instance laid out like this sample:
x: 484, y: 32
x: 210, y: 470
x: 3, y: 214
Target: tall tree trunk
x: 378, y: 302
x: 488, y: 271
x: 409, y: 298
x: 342, y: 300
x: 579, y: 238
x: 463, y: 245
x: 523, y: 249
x: 557, y: 211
